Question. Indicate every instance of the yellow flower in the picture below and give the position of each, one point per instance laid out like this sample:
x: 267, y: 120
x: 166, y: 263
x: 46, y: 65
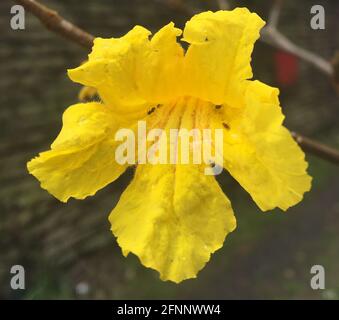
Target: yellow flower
x: 173, y: 216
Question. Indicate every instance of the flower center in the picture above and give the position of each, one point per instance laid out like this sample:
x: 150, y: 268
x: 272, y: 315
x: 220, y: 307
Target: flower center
x: 183, y: 112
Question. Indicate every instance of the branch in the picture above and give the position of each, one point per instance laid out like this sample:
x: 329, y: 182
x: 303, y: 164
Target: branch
x: 56, y: 23
x: 274, y: 15
x: 275, y: 38
x: 316, y: 148
x: 272, y: 36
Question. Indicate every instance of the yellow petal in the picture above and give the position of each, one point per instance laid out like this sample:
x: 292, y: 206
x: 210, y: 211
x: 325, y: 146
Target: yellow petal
x: 172, y: 218
x: 132, y: 73
x: 218, y: 59
x: 160, y: 74
x: 84, y: 124
x: 111, y: 69
x: 82, y: 158
x: 261, y: 154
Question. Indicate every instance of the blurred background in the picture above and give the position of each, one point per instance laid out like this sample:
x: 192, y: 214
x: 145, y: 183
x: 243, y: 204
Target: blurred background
x: 68, y: 250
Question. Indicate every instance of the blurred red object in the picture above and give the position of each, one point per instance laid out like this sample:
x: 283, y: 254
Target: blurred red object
x: 286, y: 68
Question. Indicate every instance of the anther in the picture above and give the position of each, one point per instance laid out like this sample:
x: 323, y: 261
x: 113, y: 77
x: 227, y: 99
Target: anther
x: 226, y: 126
x: 151, y: 111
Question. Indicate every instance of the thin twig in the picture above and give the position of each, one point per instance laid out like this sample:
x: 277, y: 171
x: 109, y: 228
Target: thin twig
x: 272, y: 36
x: 316, y: 148
x: 56, y: 23
x: 274, y: 15
x: 275, y: 38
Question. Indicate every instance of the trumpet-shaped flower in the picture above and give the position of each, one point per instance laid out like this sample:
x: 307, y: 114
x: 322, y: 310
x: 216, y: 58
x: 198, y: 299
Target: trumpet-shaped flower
x: 173, y: 216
